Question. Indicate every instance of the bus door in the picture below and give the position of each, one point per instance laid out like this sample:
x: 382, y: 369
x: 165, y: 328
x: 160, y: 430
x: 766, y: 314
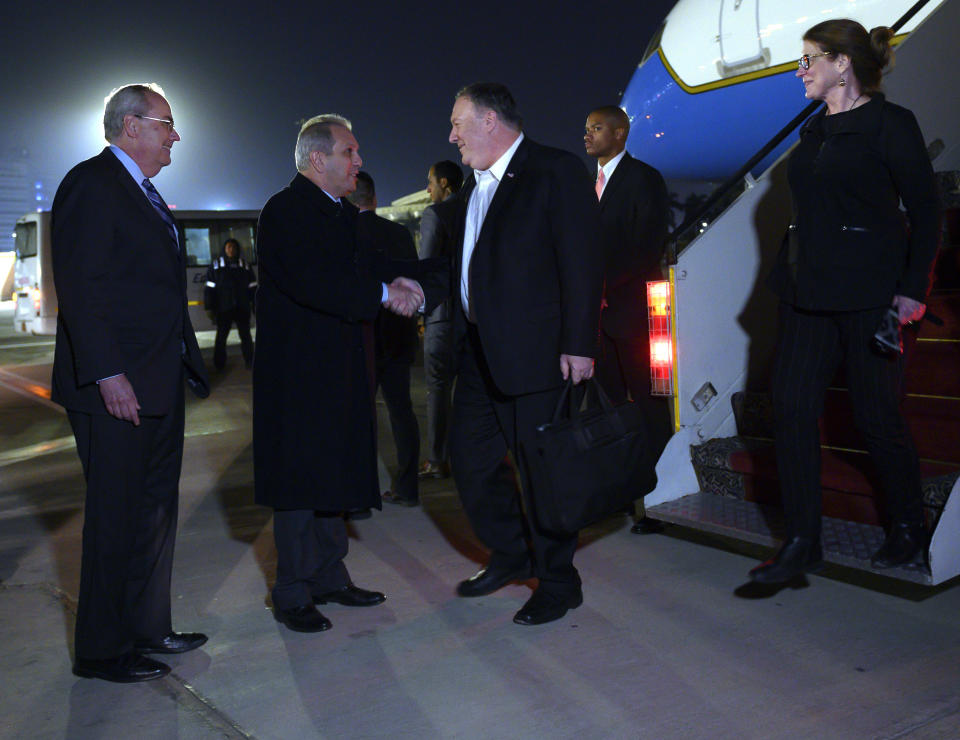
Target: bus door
x: 36, y: 297
x: 205, y: 234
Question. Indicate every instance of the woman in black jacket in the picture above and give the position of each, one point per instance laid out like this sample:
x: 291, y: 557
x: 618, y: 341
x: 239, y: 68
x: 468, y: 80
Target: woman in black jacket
x: 851, y: 256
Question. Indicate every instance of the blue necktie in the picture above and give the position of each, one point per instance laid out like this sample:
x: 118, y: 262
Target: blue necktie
x: 157, y: 202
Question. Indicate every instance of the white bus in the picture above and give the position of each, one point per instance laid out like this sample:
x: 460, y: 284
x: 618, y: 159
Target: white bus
x: 204, y: 231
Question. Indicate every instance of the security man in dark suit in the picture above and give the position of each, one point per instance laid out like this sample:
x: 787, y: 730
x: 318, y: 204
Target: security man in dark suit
x: 437, y: 238
x: 633, y: 217
x: 396, y: 340
x: 124, y: 347
x: 527, y: 277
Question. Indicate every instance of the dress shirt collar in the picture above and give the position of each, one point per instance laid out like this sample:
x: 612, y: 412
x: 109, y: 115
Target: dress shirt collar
x: 132, y: 167
x: 335, y: 200
x: 498, y: 168
x: 610, y: 166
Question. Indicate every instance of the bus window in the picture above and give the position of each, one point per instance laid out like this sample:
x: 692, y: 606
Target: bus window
x: 198, y: 245
x: 26, y: 240
x: 244, y: 232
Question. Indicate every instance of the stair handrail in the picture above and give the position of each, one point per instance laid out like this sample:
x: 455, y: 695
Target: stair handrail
x: 727, y: 186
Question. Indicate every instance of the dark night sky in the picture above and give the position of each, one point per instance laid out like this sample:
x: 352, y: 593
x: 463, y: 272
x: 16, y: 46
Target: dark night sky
x: 240, y: 75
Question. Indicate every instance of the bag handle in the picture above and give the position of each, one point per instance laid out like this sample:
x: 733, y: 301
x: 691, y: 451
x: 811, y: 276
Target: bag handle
x: 567, y: 398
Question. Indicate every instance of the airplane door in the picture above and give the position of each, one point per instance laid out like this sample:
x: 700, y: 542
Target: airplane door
x: 740, y: 47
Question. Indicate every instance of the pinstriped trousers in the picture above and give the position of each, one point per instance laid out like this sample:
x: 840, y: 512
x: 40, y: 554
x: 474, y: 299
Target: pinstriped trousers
x: 810, y: 346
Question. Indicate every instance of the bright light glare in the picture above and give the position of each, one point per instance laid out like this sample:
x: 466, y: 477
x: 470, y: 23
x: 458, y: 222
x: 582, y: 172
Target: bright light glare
x: 661, y: 352
x: 658, y: 298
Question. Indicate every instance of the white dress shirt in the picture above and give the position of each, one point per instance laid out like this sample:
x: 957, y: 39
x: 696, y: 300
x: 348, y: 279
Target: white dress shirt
x: 608, y: 169
x: 477, y: 206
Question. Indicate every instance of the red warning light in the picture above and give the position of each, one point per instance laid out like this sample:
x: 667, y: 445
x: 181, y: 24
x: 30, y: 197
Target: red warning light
x: 660, y: 323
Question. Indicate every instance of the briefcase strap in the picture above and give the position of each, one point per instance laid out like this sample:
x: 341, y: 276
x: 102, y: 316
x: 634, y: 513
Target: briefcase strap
x: 568, y: 398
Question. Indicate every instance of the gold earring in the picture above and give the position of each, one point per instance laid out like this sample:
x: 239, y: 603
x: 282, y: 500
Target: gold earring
x: 842, y: 82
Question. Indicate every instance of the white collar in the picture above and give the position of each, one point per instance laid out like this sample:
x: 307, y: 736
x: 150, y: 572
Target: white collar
x: 498, y: 168
x: 610, y: 166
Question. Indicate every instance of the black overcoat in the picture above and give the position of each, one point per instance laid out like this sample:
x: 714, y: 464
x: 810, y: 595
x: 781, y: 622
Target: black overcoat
x: 314, y: 438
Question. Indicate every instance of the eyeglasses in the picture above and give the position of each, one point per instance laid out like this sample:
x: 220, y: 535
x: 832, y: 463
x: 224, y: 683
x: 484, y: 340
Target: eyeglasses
x: 804, y: 62
x: 168, y: 122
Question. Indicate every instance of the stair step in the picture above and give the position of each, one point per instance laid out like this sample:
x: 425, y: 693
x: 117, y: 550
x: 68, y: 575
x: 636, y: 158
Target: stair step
x: 945, y: 304
x: 933, y: 368
x: 934, y: 423
x: 746, y: 469
x: 844, y: 542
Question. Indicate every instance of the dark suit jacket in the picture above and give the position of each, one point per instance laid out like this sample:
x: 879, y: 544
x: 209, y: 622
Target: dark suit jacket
x: 536, y: 271
x: 438, y: 238
x: 396, y: 337
x: 633, y: 220
x: 121, y: 284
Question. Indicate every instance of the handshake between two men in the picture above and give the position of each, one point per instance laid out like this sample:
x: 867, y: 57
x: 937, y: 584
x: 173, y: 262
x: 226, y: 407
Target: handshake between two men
x: 405, y: 297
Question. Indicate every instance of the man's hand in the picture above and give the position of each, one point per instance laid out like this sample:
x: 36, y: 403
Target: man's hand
x: 579, y: 368
x: 908, y: 309
x: 119, y: 398
x: 404, y: 297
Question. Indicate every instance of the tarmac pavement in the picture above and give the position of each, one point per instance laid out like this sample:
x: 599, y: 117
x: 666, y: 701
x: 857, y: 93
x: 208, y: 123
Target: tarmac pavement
x: 668, y: 642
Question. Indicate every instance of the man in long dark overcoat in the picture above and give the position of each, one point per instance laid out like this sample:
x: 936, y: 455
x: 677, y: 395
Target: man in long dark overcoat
x: 313, y: 413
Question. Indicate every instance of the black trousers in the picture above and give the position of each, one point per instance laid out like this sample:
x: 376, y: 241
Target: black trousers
x: 225, y: 321
x: 810, y: 347
x: 624, y: 367
x: 486, y: 426
x: 311, y: 547
x: 438, y: 370
x: 130, y: 523
x: 393, y: 378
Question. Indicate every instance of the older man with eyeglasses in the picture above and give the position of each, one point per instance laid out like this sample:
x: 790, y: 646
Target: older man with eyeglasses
x: 125, y: 345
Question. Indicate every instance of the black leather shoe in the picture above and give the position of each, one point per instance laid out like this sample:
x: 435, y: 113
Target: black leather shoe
x: 304, y: 618
x: 487, y: 580
x: 646, y: 525
x: 175, y: 642
x: 392, y: 498
x: 797, y: 556
x: 351, y: 596
x: 129, y: 668
x: 904, y: 542
x: 545, y: 607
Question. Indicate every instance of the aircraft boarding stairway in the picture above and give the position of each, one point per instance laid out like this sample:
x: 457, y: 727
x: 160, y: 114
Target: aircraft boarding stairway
x: 724, y: 334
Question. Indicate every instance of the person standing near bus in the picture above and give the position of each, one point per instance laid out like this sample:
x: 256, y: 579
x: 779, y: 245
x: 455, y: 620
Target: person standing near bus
x: 124, y: 348
x: 231, y: 285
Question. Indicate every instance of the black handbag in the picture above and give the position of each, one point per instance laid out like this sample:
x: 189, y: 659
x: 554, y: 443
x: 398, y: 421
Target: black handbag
x: 589, y: 463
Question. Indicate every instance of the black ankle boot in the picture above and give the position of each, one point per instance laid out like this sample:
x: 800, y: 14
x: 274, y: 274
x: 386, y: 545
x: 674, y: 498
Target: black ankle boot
x: 798, y: 555
x: 904, y: 542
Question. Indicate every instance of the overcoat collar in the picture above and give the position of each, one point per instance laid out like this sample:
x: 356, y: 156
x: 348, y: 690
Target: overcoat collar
x: 319, y: 199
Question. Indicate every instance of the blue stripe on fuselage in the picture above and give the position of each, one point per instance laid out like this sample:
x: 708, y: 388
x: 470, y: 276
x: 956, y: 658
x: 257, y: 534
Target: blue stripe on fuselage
x: 707, y: 135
